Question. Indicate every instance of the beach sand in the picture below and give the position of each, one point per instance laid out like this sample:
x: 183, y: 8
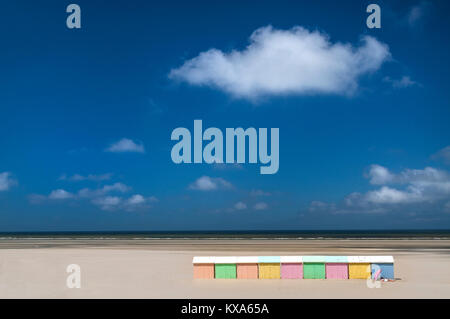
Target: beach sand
x: 163, y: 269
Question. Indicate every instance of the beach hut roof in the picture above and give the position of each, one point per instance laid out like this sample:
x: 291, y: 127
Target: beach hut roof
x: 247, y: 259
x: 268, y: 259
x: 313, y: 259
x: 291, y: 259
x: 225, y: 260
x: 358, y: 259
x: 381, y: 259
x: 336, y: 259
x: 203, y: 260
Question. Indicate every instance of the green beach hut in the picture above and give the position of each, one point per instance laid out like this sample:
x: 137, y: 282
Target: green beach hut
x: 313, y: 267
x: 225, y: 267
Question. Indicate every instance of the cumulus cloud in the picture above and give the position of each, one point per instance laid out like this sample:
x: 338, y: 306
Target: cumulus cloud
x: 89, y: 177
x: 126, y: 145
x: 60, y: 194
x: 443, y: 154
x: 282, y: 62
x: 379, y: 175
x: 108, y: 197
x: 6, y: 181
x: 116, y: 187
x: 402, y: 83
x: 206, y: 183
x: 260, y: 206
x: 428, y: 186
x: 135, y: 202
x: 107, y: 202
x: 240, y: 206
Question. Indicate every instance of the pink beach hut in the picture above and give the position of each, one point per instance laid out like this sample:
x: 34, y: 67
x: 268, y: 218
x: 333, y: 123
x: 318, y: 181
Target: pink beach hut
x: 291, y: 267
x: 336, y: 267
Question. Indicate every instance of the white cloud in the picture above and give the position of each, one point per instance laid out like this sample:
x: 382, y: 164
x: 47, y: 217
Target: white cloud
x: 60, y: 194
x: 135, y: 202
x: 387, y: 195
x: 206, y: 183
x: 6, y: 181
x: 258, y: 192
x: 402, y: 83
x: 108, y: 202
x: 379, y: 175
x: 261, y: 206
x: 417, y: 13
x: 443, y: 154
x: 240, y: 206
x: 428, y: 186
x: 116, y: 187
x: 126, y: 145
x: 89, y: 177
x: 282, y: 62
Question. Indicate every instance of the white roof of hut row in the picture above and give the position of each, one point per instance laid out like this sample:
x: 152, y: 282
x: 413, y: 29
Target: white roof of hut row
x: 358, y: 259
x: 313, y: 259
x: 291, y: 259
x: 225, y: 260
x: 336, y: 259
x: 381, y: 259
x: 371, y: 259
x: 203, y: 260
x: 268, y: 259
x: 247, y: 259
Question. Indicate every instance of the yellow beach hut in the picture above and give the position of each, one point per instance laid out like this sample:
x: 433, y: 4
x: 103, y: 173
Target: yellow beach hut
x: 359, y: 267
x: 269, y: 267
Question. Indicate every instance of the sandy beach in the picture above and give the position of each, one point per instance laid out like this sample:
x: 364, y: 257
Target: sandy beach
x: 33, y: 268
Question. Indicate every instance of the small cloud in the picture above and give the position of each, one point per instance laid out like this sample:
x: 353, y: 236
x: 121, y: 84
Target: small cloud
x: 402, y: 83
x: 6, y: 181
x: 108, y: 202
x: 90, y: 177
x: 60, y: 194
x: 116, y: 187
x: 240, y: 206
x: 206, y: 183
x: 443, y: 155
x: 261, y: 206
x: 126, y: 145
x: 135, y: 202
x: 417, y: 13
x: 258, y: 192
x: 285, y: 62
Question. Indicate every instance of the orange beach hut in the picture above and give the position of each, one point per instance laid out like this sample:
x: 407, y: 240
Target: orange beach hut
x: 203, y: 267
x: 247, y: 267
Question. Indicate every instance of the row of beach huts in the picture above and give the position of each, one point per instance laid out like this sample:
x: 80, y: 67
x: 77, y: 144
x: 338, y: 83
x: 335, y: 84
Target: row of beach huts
x: 294, y: 267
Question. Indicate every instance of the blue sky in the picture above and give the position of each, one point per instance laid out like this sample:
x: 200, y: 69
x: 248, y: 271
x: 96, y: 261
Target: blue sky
x: 87, y: 114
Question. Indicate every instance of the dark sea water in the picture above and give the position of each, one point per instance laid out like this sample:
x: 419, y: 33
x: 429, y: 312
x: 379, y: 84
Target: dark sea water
x: 276, y: 235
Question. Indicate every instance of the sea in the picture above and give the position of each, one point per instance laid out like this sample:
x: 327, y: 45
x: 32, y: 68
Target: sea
x: 234, y: 235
